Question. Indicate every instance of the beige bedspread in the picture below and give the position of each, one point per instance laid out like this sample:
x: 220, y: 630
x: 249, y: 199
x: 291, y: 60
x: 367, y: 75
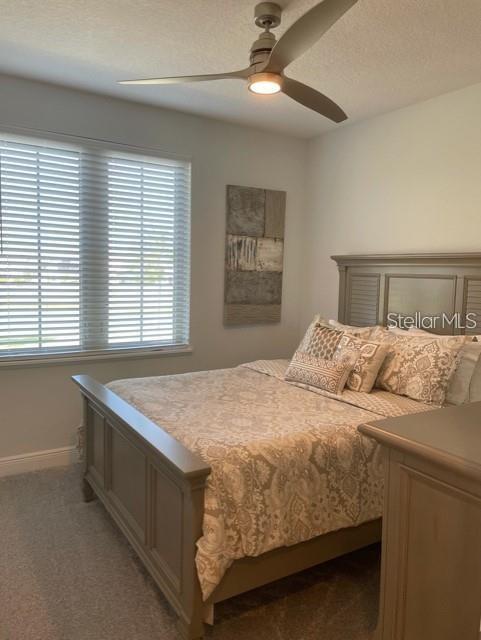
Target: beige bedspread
x: 287, y: 464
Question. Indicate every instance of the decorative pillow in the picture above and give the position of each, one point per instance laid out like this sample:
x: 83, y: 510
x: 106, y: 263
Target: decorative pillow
x: 458, y: 391
x: 459, y: 388
x: 369, y: 358
x: 327, y: 375
x: 422, y: 333
x: 320, y: 341
x: 397, y: 331
x: 318, y: 319
x: 419, y: 368
x: 381, y: 334
x: 475, y: 383
x: 362, y: 332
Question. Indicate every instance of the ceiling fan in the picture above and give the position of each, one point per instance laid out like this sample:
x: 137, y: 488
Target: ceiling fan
x: 269, y: 58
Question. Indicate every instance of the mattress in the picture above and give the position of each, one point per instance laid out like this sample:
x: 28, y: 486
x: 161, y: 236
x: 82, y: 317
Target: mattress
x: 288, y: 464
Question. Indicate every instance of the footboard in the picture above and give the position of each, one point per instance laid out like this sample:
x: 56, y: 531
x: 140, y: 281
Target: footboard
x: 154, y: 489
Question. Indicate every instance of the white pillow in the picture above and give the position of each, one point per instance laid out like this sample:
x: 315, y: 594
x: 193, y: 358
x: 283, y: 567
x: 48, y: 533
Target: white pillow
x: 463, y: 383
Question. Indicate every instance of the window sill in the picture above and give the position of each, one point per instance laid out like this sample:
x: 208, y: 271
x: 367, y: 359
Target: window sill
x: 92, y: 356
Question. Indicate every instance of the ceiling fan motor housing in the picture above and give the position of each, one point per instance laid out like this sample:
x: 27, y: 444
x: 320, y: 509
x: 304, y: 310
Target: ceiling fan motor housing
x: 262, y: 47
x: 267, y: 16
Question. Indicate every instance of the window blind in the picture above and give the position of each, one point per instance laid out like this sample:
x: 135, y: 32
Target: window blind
x: 95, y: 249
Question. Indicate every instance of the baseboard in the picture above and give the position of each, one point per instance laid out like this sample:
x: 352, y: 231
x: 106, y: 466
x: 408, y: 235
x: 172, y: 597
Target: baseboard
x: 38, y: 460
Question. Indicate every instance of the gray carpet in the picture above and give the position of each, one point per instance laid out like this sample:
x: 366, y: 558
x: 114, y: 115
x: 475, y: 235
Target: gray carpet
x: 66, y: 573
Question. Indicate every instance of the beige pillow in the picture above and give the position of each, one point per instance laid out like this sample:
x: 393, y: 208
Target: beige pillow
x: 397, y: 331
x: 369, y: 357
x: 463, y: 379
x: 362, y: 332
x: 419, y: 368
x: 422, y: 333
x: 327, y: 375
x: 381, y: 334
x: 320, y: 341
x: 458, y: 391
x: 475, y: 383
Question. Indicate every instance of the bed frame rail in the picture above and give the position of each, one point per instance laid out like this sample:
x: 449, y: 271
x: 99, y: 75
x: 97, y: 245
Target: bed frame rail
x: 153, y: 487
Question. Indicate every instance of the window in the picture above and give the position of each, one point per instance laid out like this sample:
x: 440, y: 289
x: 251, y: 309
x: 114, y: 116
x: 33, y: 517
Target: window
x: 95, y: 249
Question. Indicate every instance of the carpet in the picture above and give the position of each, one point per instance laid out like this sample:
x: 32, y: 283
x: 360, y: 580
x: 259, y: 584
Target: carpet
x: 67, y: 573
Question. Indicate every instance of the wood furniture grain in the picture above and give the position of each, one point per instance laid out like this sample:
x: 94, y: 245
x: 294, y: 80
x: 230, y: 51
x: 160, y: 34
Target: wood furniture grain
x: 431, y: 556
x: 153, y: 487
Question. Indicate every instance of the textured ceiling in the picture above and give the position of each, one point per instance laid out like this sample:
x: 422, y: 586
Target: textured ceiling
x: 381, y: 55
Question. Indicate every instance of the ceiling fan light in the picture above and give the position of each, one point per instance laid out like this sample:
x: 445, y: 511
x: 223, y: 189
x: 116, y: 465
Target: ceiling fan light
x: 265, y: 83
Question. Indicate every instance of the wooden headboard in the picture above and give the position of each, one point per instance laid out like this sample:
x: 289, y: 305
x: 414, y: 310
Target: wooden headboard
x: 372, y: 286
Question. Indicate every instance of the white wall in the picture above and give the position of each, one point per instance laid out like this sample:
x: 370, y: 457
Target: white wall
x: 406, y: 181
x: 39, y: 407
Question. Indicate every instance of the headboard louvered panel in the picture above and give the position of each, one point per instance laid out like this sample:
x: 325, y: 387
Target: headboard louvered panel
x: 373, y: 286
x: 472, y: 302
x: 364, y: 299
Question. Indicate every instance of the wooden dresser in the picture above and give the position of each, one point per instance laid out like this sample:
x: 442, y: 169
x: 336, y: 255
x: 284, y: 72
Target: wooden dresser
x: 431, y: 564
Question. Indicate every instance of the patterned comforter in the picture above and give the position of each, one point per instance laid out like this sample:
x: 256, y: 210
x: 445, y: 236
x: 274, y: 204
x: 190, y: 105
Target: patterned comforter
x: 288, y: 464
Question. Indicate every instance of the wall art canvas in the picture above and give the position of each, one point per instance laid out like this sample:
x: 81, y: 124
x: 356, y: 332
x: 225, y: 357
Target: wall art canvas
x: 254, y: 255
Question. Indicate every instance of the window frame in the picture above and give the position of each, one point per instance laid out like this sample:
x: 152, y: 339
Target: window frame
x: 106, y: 146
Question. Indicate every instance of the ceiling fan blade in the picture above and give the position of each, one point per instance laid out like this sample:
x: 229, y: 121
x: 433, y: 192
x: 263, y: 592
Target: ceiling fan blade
x: 300, y: 36
x: 179, y: 79
x: 312, y: 99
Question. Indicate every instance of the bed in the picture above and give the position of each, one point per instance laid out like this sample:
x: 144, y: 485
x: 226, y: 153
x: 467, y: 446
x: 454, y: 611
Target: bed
x: 226, y: 480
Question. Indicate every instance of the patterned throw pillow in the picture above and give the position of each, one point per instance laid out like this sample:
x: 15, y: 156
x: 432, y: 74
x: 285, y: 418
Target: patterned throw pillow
x: 380, y: 334
x: 320, y: 341
x: 460, y: 382
x: 369, y: 358
x: 327, y: 375
x: 360, y: 332
x: 419, y: 368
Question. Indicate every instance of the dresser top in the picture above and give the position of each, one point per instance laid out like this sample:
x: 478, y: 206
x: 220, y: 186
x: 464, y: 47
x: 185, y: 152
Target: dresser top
x: 450, y: 436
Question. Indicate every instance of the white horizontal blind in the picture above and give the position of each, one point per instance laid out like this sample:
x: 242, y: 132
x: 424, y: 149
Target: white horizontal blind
x: 96, y: 249
x: 144, y: 275
x: 39, y: 260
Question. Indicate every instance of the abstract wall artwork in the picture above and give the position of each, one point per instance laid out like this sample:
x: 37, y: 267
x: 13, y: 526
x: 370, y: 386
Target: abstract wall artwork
x: 254, y: 255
